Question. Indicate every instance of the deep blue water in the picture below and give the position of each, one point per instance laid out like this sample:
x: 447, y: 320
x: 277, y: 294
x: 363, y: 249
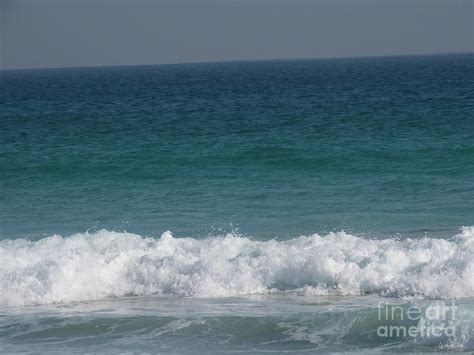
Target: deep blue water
x: 380, y: 148
x: 272, y: 148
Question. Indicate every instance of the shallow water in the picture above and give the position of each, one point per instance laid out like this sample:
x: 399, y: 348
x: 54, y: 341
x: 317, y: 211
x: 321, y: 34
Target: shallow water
x: 252, y: 323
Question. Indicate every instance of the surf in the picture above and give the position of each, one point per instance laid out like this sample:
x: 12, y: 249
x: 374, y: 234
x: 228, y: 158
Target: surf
x: 107, y: 264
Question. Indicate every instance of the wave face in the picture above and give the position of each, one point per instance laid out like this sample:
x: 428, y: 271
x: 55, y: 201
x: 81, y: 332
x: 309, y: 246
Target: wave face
x: 106, y: 264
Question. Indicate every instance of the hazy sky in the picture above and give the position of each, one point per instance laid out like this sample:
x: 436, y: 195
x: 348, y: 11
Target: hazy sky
x: 58, y: 33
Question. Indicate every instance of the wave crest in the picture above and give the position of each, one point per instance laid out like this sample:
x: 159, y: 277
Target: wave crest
x: 111, y: 264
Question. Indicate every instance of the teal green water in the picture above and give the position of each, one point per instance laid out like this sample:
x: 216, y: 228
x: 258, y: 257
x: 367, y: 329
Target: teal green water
x: 272, y: 148
x: 256, y: 168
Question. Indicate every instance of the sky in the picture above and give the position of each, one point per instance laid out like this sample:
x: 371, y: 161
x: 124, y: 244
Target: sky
x: 65, y: 33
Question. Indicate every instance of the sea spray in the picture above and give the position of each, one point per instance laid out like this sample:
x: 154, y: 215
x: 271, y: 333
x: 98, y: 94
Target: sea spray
x: 93, y: 266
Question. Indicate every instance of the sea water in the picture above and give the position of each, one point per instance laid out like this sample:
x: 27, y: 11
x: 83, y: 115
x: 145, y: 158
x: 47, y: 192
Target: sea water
x: 243, y: 206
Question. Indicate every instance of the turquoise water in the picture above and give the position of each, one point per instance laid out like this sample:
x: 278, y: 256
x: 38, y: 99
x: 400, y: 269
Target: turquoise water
x: 235, y: 206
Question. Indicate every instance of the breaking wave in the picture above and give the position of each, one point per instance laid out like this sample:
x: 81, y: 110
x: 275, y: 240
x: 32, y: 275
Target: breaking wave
x: 92, y: 266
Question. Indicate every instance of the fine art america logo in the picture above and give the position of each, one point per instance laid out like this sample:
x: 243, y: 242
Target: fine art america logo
x: 436, y: 320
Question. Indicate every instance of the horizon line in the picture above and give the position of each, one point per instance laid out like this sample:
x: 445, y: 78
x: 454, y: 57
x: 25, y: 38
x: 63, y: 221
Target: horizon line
x: 240, y: 61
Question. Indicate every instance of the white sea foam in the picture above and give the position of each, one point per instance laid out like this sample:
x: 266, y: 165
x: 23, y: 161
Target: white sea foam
x: 111, y: 264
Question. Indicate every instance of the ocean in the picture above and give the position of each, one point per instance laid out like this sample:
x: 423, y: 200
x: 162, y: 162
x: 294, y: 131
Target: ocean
x: 273, y: 206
